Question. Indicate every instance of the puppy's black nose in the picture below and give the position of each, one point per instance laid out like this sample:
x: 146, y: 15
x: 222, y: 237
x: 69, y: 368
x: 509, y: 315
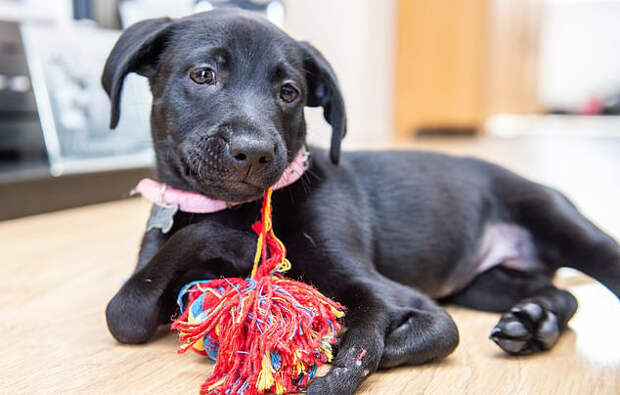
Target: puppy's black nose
x: 247, y: 151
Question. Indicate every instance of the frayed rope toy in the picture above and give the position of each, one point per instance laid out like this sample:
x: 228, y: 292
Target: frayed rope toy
x: 264, y: 332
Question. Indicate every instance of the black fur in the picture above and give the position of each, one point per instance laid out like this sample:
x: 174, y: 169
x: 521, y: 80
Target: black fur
x: 382, y: 232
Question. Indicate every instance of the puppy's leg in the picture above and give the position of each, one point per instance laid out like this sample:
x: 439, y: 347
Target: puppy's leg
x: 536, y: 312
x: 389, y: 324
x: 563, y: 236
x: 135, y: 311
x: 152, y: 241
x: 423, y: 332
x: 567, y: 238
x: 361, y: 346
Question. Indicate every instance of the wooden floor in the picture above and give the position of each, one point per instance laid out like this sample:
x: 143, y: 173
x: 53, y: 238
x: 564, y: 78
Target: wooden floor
x: 58, y: 271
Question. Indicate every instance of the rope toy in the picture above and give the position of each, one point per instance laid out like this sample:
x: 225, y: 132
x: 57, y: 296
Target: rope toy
x: 264, y: 332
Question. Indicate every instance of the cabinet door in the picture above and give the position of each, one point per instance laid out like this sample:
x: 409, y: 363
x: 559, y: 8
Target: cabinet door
x: 459, y: 61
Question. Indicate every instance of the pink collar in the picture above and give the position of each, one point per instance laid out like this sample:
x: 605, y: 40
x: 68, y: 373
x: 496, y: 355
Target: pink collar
x: 191, y: 202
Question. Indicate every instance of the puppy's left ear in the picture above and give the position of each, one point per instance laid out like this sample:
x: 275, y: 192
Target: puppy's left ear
x: 323, y: 91
x: 137, y: 50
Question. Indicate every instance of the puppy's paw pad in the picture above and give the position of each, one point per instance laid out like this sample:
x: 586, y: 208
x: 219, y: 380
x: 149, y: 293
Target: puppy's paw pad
x: 526, y: 328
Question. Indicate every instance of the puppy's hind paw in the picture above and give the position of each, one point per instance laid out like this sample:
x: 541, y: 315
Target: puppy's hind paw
x: 526, y: 328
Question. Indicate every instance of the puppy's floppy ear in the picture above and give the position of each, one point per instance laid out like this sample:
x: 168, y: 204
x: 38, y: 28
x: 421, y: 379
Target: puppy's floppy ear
x: 323, y: 91
x: 137, y: 50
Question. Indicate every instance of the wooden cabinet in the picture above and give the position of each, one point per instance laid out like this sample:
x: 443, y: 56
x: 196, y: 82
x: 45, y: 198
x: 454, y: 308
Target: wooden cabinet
x: 458, y: 61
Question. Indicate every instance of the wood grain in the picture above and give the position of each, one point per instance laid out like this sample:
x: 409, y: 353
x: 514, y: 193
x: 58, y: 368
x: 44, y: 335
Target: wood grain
x: 60, y: 269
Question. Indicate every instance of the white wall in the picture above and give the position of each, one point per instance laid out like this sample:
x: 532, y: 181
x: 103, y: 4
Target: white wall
x: 357, y: 37
x: 580, y: 51
x: 36, y: 10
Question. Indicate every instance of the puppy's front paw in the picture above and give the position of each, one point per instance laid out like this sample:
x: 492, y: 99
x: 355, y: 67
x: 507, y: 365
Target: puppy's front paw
x: 132, y: 315
x: 525, y: 329
x: 338, y: 381
x: 347, y: 373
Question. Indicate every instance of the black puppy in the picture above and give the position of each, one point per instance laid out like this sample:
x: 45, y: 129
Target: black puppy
x: 382, y: 232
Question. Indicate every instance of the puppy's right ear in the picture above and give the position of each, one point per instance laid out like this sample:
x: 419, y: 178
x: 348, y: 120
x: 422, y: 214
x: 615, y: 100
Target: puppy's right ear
x: 137, y: 50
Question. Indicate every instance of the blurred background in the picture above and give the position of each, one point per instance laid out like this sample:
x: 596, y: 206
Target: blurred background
x: 532, y: 84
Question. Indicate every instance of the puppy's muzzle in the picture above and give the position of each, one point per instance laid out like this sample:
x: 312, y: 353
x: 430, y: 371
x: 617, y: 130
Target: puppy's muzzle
x: 237, y: 157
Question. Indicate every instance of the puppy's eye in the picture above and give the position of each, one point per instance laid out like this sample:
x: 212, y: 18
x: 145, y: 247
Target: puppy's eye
x: 288, y: 93
x: 203, y: 75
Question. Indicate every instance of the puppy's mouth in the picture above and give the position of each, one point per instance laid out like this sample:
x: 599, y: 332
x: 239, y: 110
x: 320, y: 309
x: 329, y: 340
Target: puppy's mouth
x: 222, y: 185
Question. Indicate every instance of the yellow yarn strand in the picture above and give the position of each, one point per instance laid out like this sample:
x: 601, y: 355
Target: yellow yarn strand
x: 268, y: 229
x: 285, y: 264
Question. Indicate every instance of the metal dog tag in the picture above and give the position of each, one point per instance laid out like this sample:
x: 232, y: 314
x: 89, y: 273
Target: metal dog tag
x: 161, y: 217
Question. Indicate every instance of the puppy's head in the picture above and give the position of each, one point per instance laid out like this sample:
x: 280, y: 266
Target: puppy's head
x: 229, y: 90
